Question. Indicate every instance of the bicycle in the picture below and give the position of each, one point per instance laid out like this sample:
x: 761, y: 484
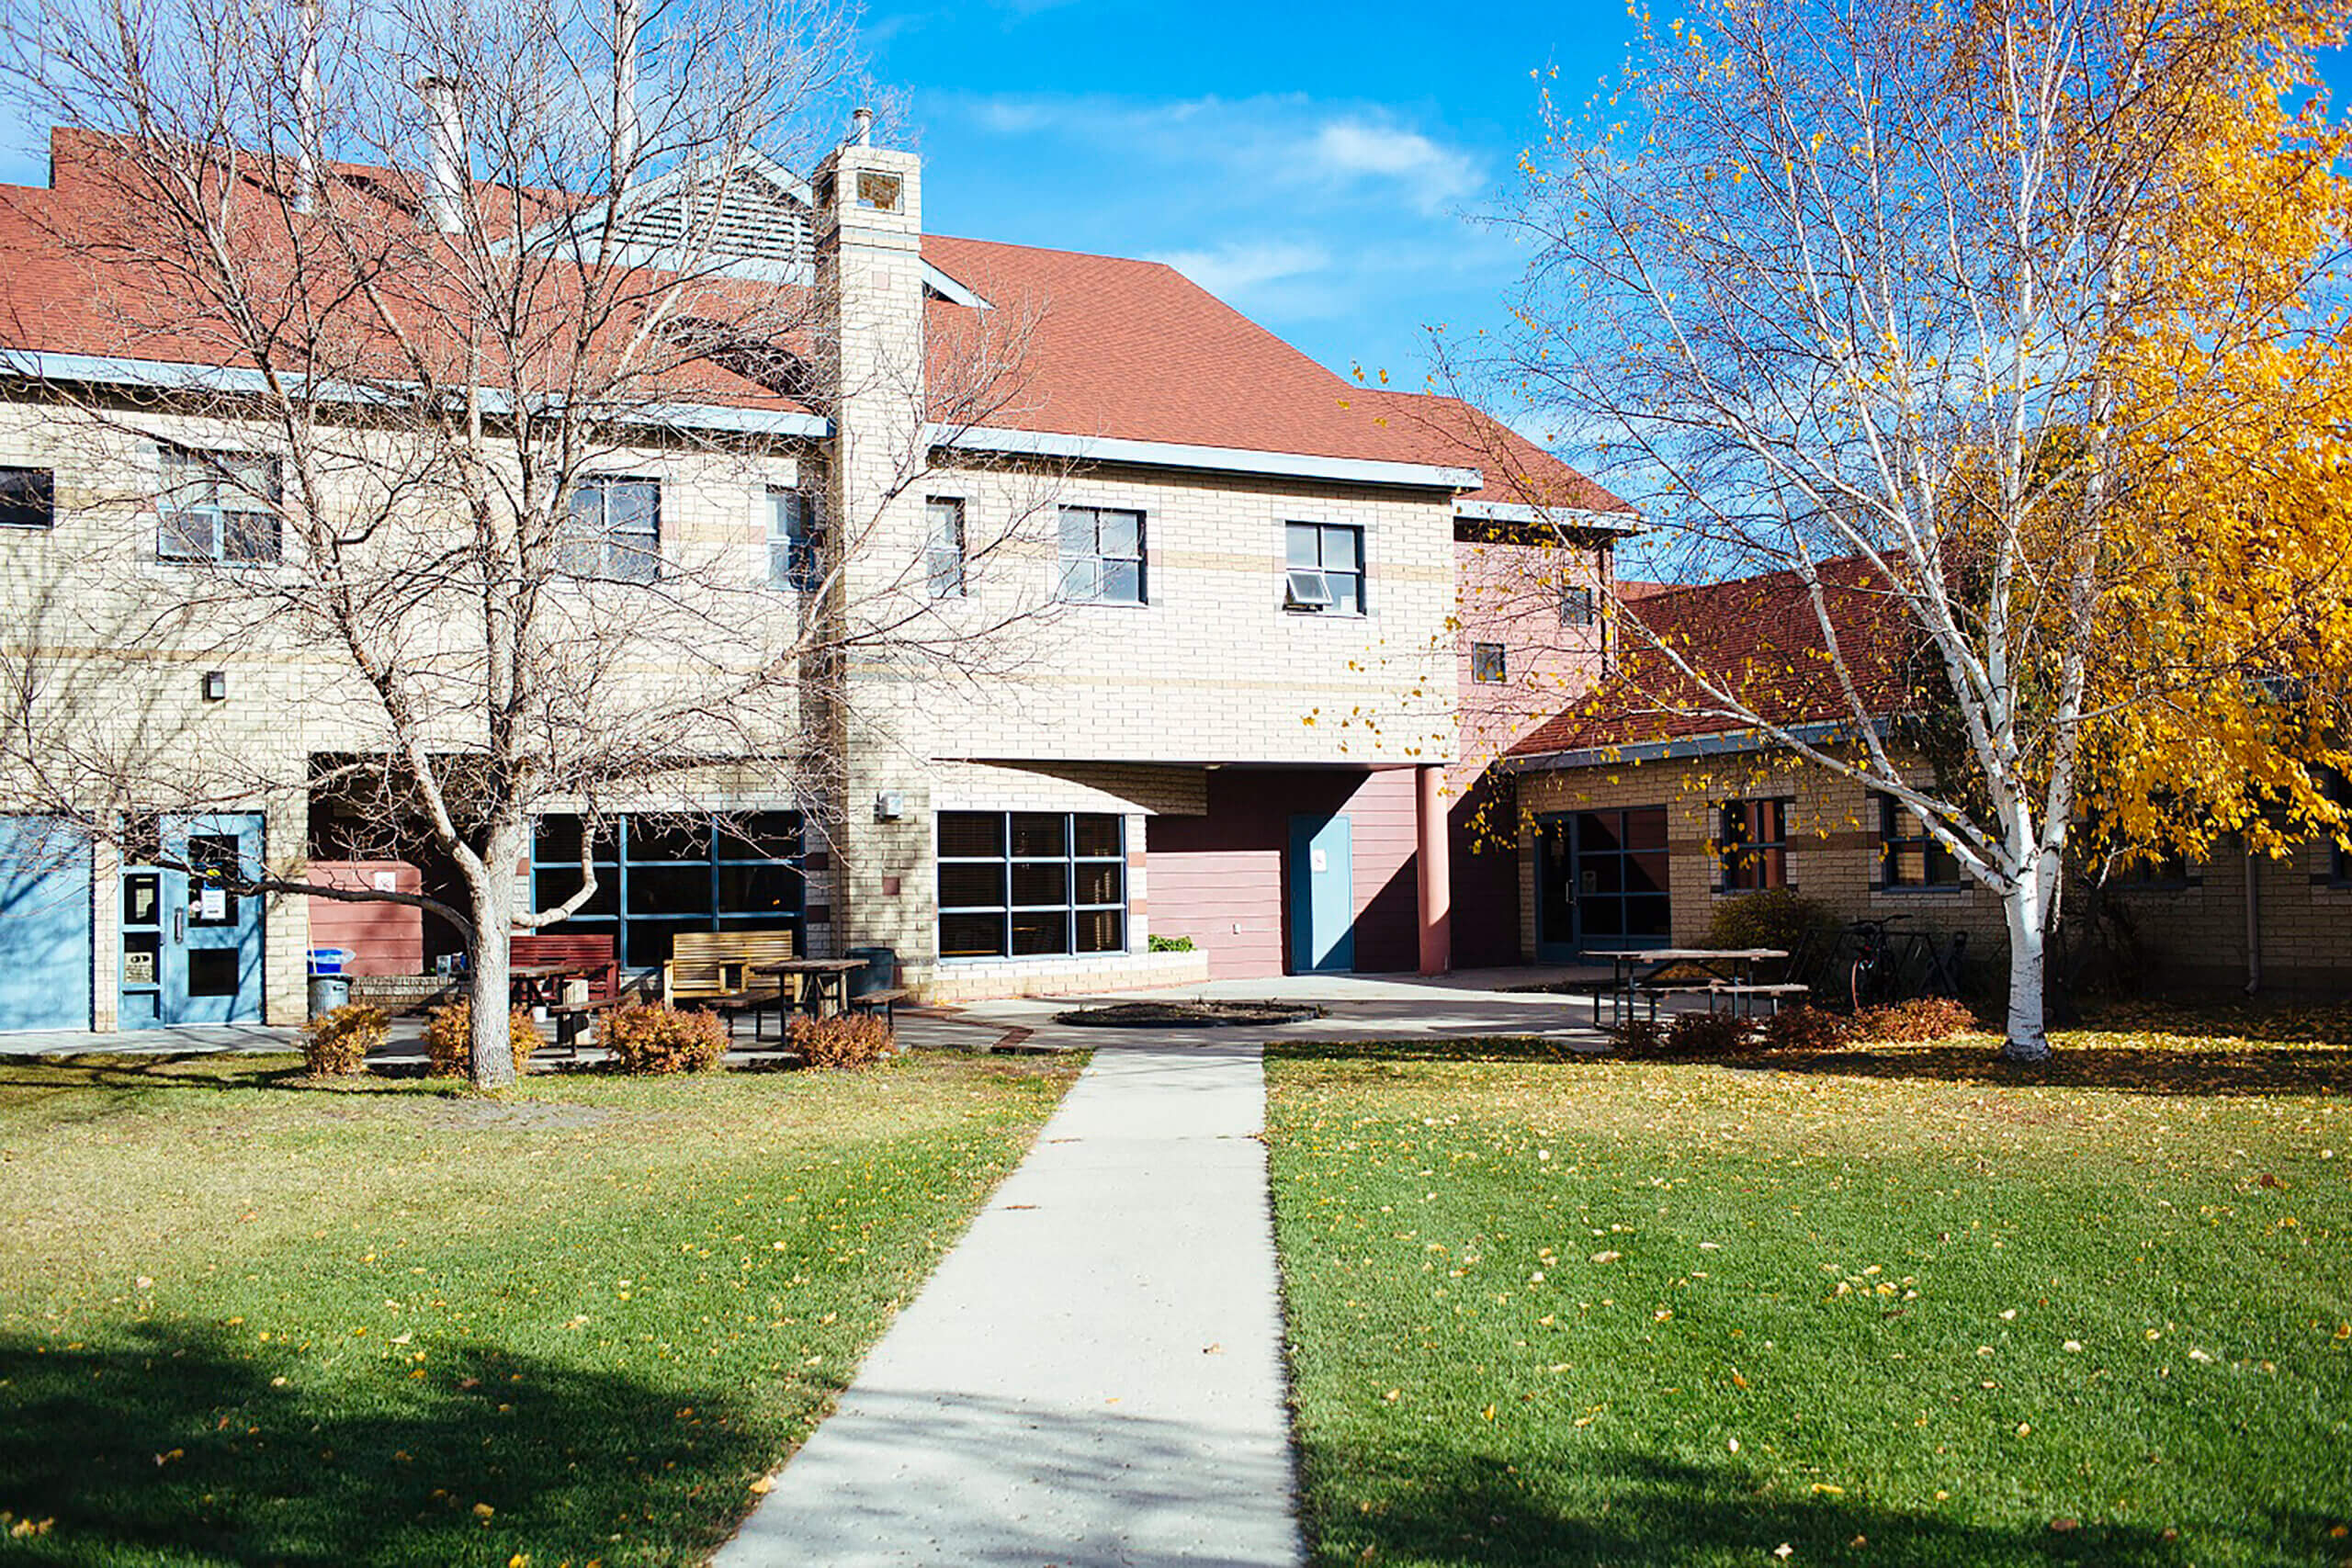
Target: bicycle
x: 1875, y: 951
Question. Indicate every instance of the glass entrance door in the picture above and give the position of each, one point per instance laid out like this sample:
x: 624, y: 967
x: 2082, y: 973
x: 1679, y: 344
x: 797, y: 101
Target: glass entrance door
x: 1601, y: 882
x: 191, y: 926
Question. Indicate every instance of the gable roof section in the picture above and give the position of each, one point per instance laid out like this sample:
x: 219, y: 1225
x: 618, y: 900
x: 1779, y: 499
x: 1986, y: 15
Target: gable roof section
x: 1759, y: 637
x: 1125, y: 361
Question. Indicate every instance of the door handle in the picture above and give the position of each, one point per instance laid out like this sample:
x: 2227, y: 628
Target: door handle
x: 179, y: 925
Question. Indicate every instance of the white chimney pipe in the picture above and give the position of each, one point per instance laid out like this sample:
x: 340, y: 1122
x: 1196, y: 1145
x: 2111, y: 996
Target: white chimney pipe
x: 629, y: 19
x: 444, y: 194
x: 307, y: 112
x: 861, y: 127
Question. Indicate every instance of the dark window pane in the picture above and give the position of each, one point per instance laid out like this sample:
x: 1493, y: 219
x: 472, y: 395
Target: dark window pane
x: 969, y: 887
x: 1647, y: 915
x: 27, y: 498
x: 971, y: 936
x: 761, y: 835
x: 1046, y: 882
x: 1097, y: 883
x: 646, y: 944
x: 550, y: 886
x: 1098, y: 833
x: 250, y: 536
x: 1597, y: 834
x: 759, y: 889
x: 139, y: 907
x: 212, y: 865
x: 668, y: 890
x: 1645, y: 872
x: 1040, y: 932
x: 658, y: 839
x: 971, y: 834
x: 1102, y: 931
x: 212, y: 971
x: 1646, y: 828
x: 557, y: 838
x: 1602, y: 872
x: 1039, y: 833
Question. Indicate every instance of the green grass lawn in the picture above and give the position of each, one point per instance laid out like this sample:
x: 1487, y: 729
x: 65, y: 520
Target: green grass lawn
x: 247, y: 1320
x: 1902, y: 1307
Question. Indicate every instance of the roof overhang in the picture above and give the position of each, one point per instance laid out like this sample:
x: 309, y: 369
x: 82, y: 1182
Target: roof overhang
x: 217, y: 380
x: 1722, y: 743
x: 1573, y: 518
x: 1211, y: 459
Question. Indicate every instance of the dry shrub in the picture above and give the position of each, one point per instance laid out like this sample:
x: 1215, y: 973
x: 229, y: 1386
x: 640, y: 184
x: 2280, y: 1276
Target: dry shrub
x: 853, y: 1039
x: 1806, y: 1027
x: 1705, y: 1034
x: 1920, y: 1019
x: 448, y: 1039
x: 339, y: 1042
x: 662, y: 1039
x: 1639, y: 1037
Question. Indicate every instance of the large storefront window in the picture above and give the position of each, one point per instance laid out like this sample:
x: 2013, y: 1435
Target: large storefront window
x: 1027, y: 884
x: 659, y: 875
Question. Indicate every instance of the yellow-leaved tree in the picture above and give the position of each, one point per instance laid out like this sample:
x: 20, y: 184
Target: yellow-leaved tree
x: 2013, y: 320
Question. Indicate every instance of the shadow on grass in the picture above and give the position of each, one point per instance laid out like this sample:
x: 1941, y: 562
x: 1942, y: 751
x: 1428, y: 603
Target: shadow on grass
x: 178, y: 1444
x: 2232, y: 1070
x: 1471, y: 1511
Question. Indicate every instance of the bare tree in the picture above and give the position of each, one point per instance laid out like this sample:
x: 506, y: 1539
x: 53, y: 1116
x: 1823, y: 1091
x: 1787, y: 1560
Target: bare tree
x: 451, y: 281
x: 1950, y: 294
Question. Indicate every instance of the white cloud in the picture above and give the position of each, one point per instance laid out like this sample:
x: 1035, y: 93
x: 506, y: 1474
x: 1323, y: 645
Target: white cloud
x: 1432, y: 175
x: 1237, y: 267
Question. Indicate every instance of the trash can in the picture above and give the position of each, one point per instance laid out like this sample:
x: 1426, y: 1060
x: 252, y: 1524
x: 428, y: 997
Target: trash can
x: 880, y: 973
x: 328, y: 992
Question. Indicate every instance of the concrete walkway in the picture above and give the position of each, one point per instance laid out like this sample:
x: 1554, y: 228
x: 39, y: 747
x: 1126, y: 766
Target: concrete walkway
x: 1095, y: 1375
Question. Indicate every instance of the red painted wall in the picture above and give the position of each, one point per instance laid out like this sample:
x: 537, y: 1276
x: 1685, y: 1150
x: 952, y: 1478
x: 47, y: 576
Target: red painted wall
x: 1219, y: 878
x: 388, y: 937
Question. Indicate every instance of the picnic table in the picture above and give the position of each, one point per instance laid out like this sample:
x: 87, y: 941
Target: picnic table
x: 545, y: 985
x: 1730, y: 971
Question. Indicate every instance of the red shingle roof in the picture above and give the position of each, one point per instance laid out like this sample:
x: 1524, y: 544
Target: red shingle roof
x: 1119, y: 349
x: 1759, y: 638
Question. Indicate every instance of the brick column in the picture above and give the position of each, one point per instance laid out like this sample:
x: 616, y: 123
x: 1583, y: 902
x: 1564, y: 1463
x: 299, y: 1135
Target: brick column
x: 1434, y: 870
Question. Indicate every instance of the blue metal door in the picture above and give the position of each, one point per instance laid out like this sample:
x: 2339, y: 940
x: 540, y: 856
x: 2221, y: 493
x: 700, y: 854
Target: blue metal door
x: 191, y: 926
x: 1322, y: 895
x: 44, y: 925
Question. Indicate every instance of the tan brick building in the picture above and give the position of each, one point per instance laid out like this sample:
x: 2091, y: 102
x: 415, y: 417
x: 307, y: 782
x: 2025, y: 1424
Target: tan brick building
x: 1233, y: 719
x: 1634, y: 824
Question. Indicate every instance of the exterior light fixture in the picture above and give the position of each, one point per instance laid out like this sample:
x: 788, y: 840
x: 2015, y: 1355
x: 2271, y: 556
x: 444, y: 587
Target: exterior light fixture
x: 889, y: 806
x: 216, y: 685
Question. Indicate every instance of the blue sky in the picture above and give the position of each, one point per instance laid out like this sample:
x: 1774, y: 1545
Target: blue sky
x: 1311, y: 165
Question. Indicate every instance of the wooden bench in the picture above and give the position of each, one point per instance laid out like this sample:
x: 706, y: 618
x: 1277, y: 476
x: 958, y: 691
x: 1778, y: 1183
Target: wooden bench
x: 571, y: 1019
x: 1732, y: 993
x: 885, y: 1002
x: 716, y: 968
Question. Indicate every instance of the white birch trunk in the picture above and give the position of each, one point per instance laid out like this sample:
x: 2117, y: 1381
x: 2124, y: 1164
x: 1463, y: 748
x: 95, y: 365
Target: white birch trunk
x: 2026, y: 907
x: 486, y: 958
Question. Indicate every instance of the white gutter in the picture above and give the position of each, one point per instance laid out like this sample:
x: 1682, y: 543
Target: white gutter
x: 1213, y: 459
x: 108, y: 370
x: 1562, y: 516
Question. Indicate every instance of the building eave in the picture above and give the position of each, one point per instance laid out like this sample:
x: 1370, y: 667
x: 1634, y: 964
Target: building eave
x: 1572, y: 518
x: 1114, y: 450
x: 1720, y: 743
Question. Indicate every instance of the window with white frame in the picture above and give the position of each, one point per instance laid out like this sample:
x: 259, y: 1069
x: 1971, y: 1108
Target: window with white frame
x: 219, y: 506
x: 614, y: 530
x: 1030, y: 884
x: 27, y: 498
x: 1487, y: 665
x: 1102, y: 556
x: 1575, y: 604
x: 943, y: 554
x: 795, y: 543
x: 1323, y: 568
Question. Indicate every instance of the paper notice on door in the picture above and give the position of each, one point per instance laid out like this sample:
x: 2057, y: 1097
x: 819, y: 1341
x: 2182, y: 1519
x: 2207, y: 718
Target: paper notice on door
x: 1318, y: 861
x: 138, y: 968
x: 212, y: 903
